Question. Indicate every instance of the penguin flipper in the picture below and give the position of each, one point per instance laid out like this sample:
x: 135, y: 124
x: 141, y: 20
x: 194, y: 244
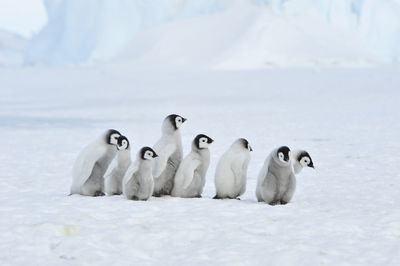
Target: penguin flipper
x: 160, y: 163
x: 133, y: 167
x: 85, y: 162
x: 290, y: 190
x: 269, y: 188
x: 189, y: 172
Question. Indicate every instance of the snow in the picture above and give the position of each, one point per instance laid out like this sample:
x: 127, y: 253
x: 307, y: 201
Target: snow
x: 220, y: 34
x: 12, y: 48
x: 345, y: 212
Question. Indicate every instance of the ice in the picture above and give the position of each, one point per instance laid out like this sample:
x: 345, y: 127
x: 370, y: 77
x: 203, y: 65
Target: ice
x: 246, y: 33
x: 11, y: 48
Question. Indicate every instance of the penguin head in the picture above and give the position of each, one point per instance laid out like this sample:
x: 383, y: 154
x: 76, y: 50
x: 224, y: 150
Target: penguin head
x: 147, y: 153
x: 123, y: 143
x: 305, y: 159
x: 245, y: 144
x: 112, y: 137
x: 283, y: 154
x: 202, y: 141
x: 175, y: 121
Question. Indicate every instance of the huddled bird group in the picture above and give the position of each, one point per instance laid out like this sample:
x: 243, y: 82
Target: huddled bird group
x: 105, y: 166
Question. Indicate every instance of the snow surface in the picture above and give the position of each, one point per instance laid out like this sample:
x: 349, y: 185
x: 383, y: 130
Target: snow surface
x: 345, y: 212
x: 220, y: 34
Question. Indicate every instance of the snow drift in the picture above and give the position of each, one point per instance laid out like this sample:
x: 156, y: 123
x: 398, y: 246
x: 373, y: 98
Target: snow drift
x: 219, y: 33
x: 11, y: 48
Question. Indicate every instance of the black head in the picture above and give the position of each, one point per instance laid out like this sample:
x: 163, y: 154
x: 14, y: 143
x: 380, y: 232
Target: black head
x: 147, y: 153
x: 305, y: 159
x: 283, y: 153
x: 176, y: 120
x: 112, y: 137
x: 202, y: 141
x: 246, y: 144
x: 123, y: 143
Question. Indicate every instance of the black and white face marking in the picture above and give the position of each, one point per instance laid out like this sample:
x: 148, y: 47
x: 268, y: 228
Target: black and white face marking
x: 283, y: 154
x: 246, y: 144
x: 148, y: 153
x: 112, y: 137
x: 179, y: 121
x: 123, y: 143
x: 305, y: 159
x: 176, y: 120
x: 202, y: 141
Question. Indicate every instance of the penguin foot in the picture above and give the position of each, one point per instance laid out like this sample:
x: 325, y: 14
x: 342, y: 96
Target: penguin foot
x: 198, y: 196
x: 237, y: 198
x: 284, y: 202
x: 99, y: 194
x: 217, y: 197
x: 273, y: 203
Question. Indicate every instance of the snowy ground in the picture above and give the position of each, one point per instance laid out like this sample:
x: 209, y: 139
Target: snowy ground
x: 346, y: 212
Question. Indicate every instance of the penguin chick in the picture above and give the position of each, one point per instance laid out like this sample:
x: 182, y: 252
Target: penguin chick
x: 138, y: 183
x: 92, y: 163
x: 170, y: 153
x: 276, y: 182
x: 118, y: 168
x: 301, y: 159
x: 191, y: 175
x: 231, y: 172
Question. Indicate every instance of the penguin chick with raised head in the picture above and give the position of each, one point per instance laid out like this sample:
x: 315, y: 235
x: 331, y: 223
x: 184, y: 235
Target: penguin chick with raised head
x: 276, y: 182
x: 138, y: 183
x: 92, y: 163
x: 118, y: 168
x: 301, y: 159
x: 170, y: 153
x: 231, y: 172
x: 191, y: 175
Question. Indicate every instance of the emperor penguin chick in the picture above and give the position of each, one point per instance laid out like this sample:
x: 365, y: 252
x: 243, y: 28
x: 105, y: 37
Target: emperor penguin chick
x: 276, y: 182
x: 301, y: 159
x: 231, y: 173
x: 138, y: 183
x: 170, y: 153
x: 191, y: 175
x: 92, y: 163
x: 116, y: 172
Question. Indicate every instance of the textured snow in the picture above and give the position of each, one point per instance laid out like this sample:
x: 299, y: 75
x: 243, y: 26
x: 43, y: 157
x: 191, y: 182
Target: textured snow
x: 345, y: 212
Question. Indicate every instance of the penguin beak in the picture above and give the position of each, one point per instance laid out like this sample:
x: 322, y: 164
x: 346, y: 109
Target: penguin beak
x: 311, y: 165
x: 155, y: 155
x: 210, y: 141
x: 183, y: 120
x: 251, y: 149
